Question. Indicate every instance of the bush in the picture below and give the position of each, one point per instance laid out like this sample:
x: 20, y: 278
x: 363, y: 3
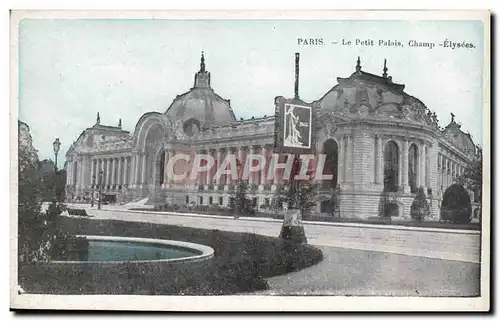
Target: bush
x: 239, y: 203
x: 419, y: 207
x: 456, y: 206
x: 67, y: 247
x: 32, y: 235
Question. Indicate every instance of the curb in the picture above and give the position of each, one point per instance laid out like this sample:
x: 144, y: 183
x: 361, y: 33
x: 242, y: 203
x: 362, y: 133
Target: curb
x: 336, y: 224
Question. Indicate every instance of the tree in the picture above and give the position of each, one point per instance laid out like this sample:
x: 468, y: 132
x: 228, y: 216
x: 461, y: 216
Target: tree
x: 32, y: 236
x: 240, y: 204
x: 52, y: 182
x: 419, y: 207
x: 278, y: 197
x: 472, y: 178
x: 302, y: 195
x: 456, y: 206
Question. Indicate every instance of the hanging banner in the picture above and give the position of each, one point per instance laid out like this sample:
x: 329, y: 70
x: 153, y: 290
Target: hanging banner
x: 294, y: 127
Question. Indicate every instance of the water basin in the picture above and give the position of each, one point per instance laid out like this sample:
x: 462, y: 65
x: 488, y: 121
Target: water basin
x: 130, y: 249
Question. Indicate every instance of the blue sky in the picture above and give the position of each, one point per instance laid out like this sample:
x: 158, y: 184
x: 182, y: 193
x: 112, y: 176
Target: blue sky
x: 71, y: 69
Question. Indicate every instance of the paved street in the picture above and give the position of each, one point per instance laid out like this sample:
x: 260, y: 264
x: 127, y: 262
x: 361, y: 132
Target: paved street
x: 355, y: 272
x: 357, y: 260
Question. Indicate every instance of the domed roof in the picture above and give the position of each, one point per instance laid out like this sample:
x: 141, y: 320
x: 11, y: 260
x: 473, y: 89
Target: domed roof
x: 366, y: 95
x: 453, y: 133
x: 201, y: 105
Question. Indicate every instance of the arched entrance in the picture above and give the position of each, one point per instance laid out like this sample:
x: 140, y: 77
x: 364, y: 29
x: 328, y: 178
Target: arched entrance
x: 327, y: 206
x: 330, y: 149
x: 391, y: 167
x: 391, y: 210
x: 153, y: 143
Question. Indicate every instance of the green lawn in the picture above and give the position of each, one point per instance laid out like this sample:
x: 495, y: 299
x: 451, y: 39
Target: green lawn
x: 240, y: 264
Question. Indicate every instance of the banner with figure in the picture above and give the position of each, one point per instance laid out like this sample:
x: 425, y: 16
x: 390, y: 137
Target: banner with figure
x: 294, y: 126
x: 297, y: 126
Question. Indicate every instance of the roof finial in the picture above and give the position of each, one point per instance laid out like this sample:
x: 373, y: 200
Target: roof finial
x: 385, y: 69
x: 452, y: 117
x: 98, y: 118
x: 358, y: 64
x: 120, y: 123
x: 202, y: 63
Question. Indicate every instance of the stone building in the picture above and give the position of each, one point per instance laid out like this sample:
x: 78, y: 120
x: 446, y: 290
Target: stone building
x: 381, y: 145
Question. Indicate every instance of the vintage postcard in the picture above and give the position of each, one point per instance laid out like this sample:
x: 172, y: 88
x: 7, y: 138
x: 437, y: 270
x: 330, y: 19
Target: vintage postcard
x: 250, y: 160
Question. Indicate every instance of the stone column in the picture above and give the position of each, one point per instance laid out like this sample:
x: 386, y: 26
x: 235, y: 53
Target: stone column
x: 240, y: 158
x: 92, y: 161
x: 68, y: 171
x: 113, y: 169
x: 446, y: 175
x: 404, y: 171
x: 340, y: 158
x: 432, y: 179
x: 134, y: 170
x: 79, y: 173
x: 165, y: 173
x: 251, y: 176
x: 380, y: 160
x: 218, y: 161
x: 423, y: 168
x: 108, y: 170
x: 263, y: 169
x: 349, y: 166
x: 119, y: 180
x: 125, y: 172
x: 143, y: 169
x: 137, y: 169
x: 450, y: 170
x: 170, y: 154
x: 210, y: 152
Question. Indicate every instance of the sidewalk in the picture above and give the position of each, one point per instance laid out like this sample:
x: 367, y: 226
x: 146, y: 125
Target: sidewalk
x: 122, y: 208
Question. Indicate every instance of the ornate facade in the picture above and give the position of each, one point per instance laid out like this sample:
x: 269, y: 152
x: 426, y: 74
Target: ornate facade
x: 381, y: 145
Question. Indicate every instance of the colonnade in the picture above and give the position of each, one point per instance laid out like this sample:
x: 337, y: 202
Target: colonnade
x: 110, y: 172
x: 448, y: 171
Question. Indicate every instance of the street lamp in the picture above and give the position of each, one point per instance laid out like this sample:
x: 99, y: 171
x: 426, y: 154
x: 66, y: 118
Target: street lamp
x: 57, y: 146
x: 99, y: 189
x: 93, y: 190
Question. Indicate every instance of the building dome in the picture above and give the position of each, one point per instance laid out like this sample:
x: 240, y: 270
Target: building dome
x: 453, y: 133
x: 366, y: 95
x: 200, y: 107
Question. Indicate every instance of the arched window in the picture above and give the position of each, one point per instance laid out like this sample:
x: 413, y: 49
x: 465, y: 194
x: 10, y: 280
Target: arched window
x: 412, y: 167
x: 391, y: 167
x: 330, y: 148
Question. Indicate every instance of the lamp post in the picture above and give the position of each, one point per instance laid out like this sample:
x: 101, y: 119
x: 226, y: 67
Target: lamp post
x: 92, y: 191
x: 99, y: 189
x: 56, y: 146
